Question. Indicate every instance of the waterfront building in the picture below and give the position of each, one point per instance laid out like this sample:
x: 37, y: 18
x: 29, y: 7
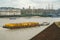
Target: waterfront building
x: 9, y: 11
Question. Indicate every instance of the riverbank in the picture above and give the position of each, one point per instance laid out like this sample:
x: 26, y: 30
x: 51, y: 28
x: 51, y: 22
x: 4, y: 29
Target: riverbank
x: 3, y: 16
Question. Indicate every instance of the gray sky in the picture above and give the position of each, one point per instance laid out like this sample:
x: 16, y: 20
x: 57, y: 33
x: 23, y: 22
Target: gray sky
x: 33, y: 3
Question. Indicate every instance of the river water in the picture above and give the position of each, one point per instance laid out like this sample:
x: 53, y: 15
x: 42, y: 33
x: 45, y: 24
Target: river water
x: 27, y: 19
x: 23, y: 34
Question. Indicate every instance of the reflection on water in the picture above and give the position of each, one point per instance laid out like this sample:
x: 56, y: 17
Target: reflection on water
x: 27, y: 19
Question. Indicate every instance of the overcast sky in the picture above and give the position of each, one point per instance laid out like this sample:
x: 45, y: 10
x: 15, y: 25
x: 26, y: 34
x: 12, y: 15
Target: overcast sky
x: 33, y: 3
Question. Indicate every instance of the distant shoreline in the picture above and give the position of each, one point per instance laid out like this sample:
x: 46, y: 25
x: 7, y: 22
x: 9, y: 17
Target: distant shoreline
x: 3, y: 16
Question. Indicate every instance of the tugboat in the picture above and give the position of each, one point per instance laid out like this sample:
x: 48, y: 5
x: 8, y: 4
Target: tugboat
x: 21, y: 25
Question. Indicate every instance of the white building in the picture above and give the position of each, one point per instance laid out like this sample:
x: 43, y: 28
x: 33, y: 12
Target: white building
x: 10, y: 11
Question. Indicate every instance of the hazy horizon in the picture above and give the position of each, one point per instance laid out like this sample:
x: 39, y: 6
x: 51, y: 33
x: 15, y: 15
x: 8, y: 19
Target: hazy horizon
x: 45, y: 4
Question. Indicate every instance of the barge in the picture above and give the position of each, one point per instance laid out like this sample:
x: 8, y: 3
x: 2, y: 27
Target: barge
x: 21, y: 25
